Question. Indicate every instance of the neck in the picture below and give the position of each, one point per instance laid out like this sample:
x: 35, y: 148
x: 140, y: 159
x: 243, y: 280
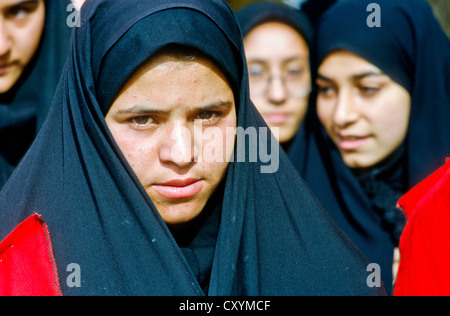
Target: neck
x: 391, y: 171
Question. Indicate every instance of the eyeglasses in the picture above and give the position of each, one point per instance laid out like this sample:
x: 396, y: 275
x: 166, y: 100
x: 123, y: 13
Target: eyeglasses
x: 295, y: 79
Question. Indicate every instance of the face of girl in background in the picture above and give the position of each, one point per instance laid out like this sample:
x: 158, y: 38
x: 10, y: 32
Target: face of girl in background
x: 364, y: 112
x: 21, y: 26
x: 155, y: 116
x: 280, y: 81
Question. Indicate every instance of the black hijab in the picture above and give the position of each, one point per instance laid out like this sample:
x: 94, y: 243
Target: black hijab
x: 314, y: 9
x: 412, y: 49
x: 24, y: 108
x: 263, y: 12
x: 272, y: 238
x: 259, y: 13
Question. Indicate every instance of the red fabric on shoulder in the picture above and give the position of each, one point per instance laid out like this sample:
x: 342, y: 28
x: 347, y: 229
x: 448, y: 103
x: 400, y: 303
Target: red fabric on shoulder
x: 421, y: 193
x: 27, y: 265
x: 425, y: 243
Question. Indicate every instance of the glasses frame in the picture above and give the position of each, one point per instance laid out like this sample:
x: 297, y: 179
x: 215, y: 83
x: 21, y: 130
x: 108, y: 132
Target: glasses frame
x: 282, y: 76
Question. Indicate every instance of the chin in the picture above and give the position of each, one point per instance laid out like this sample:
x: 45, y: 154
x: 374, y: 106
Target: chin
x: 4, y: 88
x: 180, y: 214
x: 283, y: 136
x: 9, y: 80
x: 358, y: 163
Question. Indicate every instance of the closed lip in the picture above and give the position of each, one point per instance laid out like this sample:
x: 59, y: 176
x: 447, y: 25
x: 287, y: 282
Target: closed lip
x: 276, y: 118
x: 351, y: 142
x: 4, y: 68
x: 179, y: 188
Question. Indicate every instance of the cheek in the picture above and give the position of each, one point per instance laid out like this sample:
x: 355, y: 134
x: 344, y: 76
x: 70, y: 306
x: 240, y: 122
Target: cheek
x: 140, y: 154
x: 391, y: 123
x: 261, y: 103
x: 27, y: 38
x: 218, y: 145
x: 229, y: 135
x: 299, y: 108
x: 214, y: 172
x: 215, y: 145
x: 325, y: 114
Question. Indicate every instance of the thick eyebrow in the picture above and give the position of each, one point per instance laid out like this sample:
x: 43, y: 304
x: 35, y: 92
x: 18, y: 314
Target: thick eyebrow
x: 322, y: 77
x: 285, y: 61
x: 141, y: 109
x: 216, y: 106
x: 295, y: 58
x: 354, y: 78
x: 21, y: 3
x: 367, y: 74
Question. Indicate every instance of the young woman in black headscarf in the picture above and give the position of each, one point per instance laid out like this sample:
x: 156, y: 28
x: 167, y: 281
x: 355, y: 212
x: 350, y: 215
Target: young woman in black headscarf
x: 276, y: 41
x: 384, y: 103
x: 34, y: 42
x: 136, y: 220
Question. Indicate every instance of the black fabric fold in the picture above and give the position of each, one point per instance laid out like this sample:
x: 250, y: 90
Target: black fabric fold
x: 24, y: 108
x: 273, y: 238
x: 412, y: 49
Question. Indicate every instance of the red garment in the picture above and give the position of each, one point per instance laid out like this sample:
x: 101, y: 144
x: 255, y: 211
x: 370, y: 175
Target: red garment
x: 425, y: 243
x: 27, y: 265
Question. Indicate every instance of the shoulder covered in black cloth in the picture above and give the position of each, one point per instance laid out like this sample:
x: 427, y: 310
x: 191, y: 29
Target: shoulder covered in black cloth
x: 273, y: 236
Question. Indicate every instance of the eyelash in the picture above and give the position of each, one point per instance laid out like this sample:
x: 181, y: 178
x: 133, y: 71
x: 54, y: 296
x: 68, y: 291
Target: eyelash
x: 325, y: 91
x: 212, y: 117
x: 20, y: 12
x: 369, y: 91
x: 147, y: 118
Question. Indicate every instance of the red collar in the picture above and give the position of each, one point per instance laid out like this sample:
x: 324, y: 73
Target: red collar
x: 27, y: 264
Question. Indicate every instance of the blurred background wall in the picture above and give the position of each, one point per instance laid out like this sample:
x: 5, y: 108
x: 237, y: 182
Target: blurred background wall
x: 237, y: 4
x: 441, y: 8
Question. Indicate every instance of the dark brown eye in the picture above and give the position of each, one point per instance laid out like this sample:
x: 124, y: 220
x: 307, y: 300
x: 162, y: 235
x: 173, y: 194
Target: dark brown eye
x: 325, y: 91
x: 207, y: 116
x: 142, y: 120
x: 22, y: 10
x: 369, y: 91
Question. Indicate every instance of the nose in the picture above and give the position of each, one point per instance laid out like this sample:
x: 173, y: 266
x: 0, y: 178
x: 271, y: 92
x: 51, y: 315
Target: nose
x: 179, y: 148
x: 346, y: 112
x: 277, y: 91
x: 5, y: 39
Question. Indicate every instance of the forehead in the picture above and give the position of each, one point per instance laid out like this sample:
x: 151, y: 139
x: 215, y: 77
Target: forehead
x: 275, y: 38
x: 167, y: 82
x: 168, y: 69
x: 343, y: 64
